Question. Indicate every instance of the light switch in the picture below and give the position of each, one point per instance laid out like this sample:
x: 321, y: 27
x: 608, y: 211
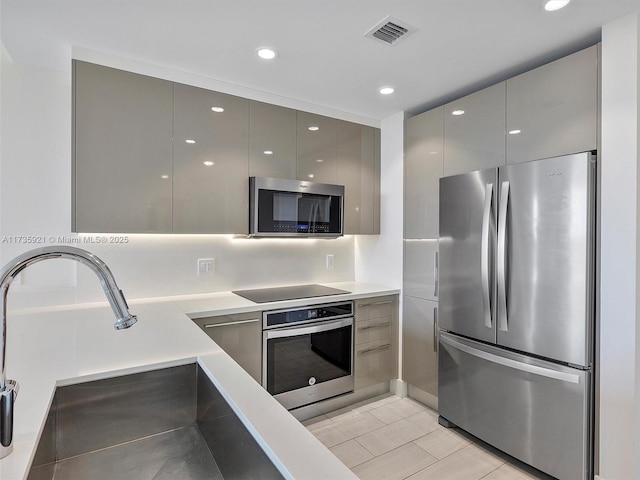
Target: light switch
x: 206, y: 266
x: 330, y: 262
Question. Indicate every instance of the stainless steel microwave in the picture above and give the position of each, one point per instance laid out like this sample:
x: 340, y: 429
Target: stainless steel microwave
x: 294, y: 208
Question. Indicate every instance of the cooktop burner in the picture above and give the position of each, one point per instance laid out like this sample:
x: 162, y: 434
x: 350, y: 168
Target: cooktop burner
x: 264, y: 295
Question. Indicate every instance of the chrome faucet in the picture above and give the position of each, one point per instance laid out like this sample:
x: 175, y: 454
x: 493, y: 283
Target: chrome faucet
x: 124, y: 319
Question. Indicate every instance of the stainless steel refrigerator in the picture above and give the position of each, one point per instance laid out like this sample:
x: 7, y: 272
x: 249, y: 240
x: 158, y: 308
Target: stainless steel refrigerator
x: 516, y: 316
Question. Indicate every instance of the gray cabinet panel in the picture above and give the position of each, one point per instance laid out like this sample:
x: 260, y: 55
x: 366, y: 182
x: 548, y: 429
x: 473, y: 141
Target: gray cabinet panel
x: 210, y: 167
x: 419, y: 344
x: 376, y: 180
x: 555, y: 108
x: 317, y: 151
x: 423, y: 167
x: 272, y: 129
x: 475, y: 139
x: 421, y: 268
x: 122, y: 151
x: 356, y: 170
x: 240, y: 335
x: 376, y: 341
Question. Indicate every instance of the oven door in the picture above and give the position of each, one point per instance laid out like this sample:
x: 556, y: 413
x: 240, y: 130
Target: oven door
x: 302, y: 365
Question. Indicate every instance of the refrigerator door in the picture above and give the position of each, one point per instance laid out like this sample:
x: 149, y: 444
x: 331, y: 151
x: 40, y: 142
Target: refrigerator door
x: 536, y: 411
x: 466, y: 251
x: 545, y: 258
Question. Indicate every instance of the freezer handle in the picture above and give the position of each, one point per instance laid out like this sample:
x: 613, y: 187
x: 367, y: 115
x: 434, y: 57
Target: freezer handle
x: 503, y: 321
x: 485, y: 255
x: 507, y: 362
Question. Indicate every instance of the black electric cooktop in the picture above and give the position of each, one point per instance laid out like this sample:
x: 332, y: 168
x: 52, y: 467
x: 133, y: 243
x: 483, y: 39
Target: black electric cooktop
x: 264, y: 295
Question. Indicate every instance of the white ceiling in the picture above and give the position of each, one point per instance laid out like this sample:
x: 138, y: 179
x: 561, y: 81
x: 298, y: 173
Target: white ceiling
x: 324, y: 58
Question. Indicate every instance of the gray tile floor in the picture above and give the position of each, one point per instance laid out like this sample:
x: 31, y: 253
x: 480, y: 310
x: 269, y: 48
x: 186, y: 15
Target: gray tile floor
x: 398, y: 438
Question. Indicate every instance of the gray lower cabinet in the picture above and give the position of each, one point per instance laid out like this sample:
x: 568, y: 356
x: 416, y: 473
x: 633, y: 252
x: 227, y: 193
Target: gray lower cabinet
x: 358, y: 169
x: 240, y: 335
x: 474, y: 130
x: 419, y: 345
x: 316, y: 145
x: 122, y: 159
x: 210, y: 168
x: 376, y: 342
x: 272, y: 141
x: 423, y: 167
x: 552, y: 110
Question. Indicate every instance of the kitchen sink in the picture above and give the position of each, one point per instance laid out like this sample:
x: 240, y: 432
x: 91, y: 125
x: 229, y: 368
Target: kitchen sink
x: 162, y: 424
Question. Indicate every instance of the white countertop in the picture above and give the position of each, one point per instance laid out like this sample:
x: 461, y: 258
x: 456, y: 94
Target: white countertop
x: 64, y: 345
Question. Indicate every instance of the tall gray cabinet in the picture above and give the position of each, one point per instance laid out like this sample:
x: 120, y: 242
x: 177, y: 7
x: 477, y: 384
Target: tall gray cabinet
x: 423, y: 168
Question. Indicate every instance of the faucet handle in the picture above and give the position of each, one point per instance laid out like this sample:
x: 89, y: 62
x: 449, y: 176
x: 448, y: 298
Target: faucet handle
x: 13, y: 386
x: 8, y: 396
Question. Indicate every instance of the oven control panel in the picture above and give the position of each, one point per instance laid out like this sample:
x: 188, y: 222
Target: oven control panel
x: 279, y: 318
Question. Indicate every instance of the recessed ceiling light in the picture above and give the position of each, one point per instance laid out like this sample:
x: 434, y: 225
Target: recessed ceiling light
x: 190, y: 141
x: 553, y: 5
x: 457, y: 112
x: 208, y: 163
x: 217, y: 109
x: 314, y: 128
x: 268, y: 152
x: 386, y: 90
x: 514, y: 132
x: 266, y: 53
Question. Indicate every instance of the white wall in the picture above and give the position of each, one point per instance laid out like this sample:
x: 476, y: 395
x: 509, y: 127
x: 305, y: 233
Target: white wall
x: 35, y: 200
x: 379, y: 257
x: 619, y: 416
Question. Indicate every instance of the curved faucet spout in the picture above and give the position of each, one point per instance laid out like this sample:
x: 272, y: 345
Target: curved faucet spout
x: 124, y: 319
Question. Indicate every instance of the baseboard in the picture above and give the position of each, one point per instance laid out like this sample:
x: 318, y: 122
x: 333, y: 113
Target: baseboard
x: 398, y: 387
x: 423, y: 397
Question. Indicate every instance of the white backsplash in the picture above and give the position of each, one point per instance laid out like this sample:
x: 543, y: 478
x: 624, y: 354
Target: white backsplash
x: 161, y: 265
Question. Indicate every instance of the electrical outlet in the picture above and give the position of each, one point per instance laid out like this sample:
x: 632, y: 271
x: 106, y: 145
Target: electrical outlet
x: 330, y: 262
x: 206, y: 266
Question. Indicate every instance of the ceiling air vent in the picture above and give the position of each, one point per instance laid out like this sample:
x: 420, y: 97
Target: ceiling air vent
x: 389, y: 31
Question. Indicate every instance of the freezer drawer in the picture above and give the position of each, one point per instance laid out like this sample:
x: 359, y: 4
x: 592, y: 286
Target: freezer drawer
x: 536, y: 411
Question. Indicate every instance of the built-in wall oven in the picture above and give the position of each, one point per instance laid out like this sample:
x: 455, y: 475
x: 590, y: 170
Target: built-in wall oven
x: 308, y: 353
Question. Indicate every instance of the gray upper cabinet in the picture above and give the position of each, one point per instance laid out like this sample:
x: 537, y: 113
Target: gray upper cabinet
x: 358, y: 169
x: 317, y: 152
x: 272, y: 141
x: 210, y: 168
x: 423, y: 167
x: 474, y: 130
x: 183, y: 155
x: 553, y: 110
x: 122, y: 151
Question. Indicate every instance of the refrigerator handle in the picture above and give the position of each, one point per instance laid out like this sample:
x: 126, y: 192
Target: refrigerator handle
x: 503, y: 320
x: 485, y: 254
x: 511, y: 363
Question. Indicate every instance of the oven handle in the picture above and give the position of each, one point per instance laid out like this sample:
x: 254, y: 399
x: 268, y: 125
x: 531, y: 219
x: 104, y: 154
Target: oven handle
x: 308, y: 329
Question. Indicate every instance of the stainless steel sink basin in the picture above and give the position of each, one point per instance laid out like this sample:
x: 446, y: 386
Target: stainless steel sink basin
x: 163, y: 424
